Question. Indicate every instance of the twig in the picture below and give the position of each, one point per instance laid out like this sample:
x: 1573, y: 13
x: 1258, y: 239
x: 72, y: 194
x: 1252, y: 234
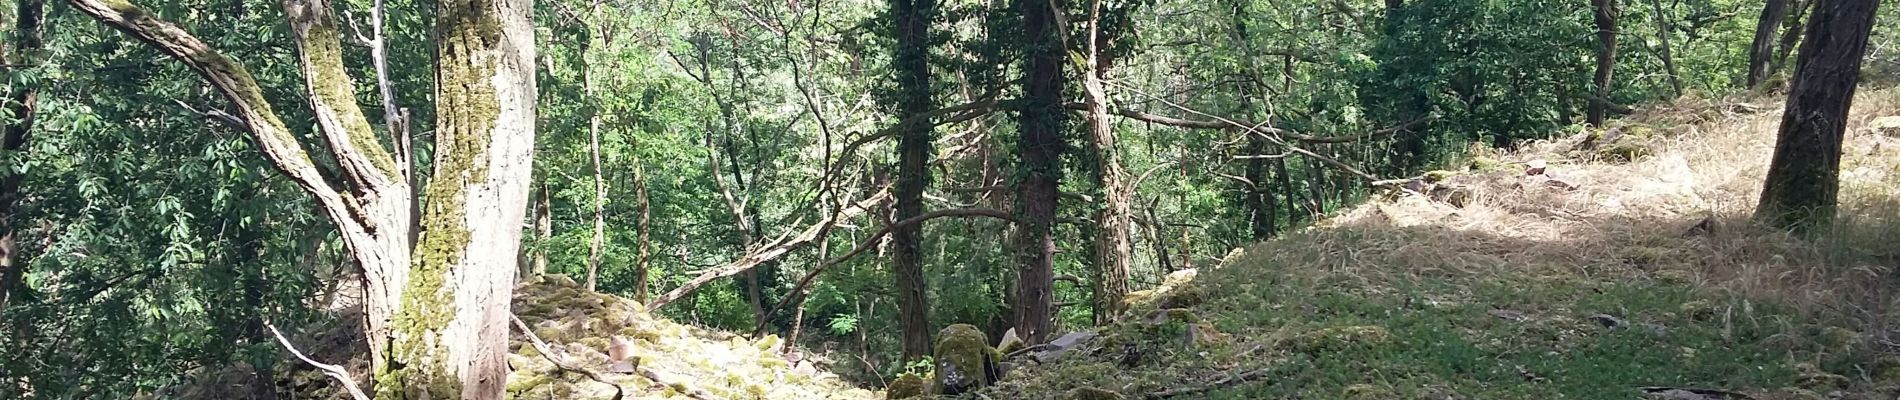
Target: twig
x: 547, y: 353
x: 219, y: 115
x: 334, y: 371
x: 1243, y: 377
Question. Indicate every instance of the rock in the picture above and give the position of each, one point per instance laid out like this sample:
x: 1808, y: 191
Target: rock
x: 1183, y: 296
x: 965, y: 361
x: 1166, y: 315
x: 1534, y: 167
x: 1010, y: 342
x: 1089, y: 393
x: 1888, y: 126
x: 1607, y: 320
x: 1055, y: 349
x: 906, y: 386
x: 1340, y: 338
x: 1456, y: 196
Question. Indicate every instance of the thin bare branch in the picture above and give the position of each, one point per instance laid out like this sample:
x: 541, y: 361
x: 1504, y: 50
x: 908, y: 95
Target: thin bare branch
x: 332, y: 370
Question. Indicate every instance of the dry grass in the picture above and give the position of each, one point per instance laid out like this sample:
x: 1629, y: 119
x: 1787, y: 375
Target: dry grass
x: 1633, y: 220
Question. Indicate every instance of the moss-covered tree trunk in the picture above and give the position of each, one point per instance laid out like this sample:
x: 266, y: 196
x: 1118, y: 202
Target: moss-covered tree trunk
x: 1791, y: 36
x: 1111, y: 247
x: 1605, y: 12
x: 1803, y: 185
x: 643, y: 246
x: 912, y: 31
x: 598, y: 242
x: 1041, y: 146
x: 1761, y: 50
x: 452, y: 335
x: 1663, y: 32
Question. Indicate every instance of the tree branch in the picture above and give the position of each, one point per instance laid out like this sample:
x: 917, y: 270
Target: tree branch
x: 236, y: 85
x: 772, y: 251
x: 871, y: 242
x: 334, y: 371
x: 542, y: 347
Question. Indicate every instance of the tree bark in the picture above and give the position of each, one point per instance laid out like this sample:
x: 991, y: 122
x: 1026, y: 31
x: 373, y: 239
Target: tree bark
x: 1761, y: 50
x: 598, y: 242
x: 1663, y: 32
x: 1792, y: 35
x: 1041, y: 146
x: 1803, y: 186
x: 22, y: 106
x: 912, y: 24
x: 453, y: 331
x: 1605, y: 12
x: 643, y: 246
x: 1112, y: 246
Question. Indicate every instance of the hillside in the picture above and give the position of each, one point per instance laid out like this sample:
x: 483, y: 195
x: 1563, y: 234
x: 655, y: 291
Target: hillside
x: 1627, y: 270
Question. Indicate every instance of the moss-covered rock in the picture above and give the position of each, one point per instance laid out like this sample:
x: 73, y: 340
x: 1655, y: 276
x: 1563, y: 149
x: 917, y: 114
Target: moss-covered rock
x: 1183, y: 296
x: 1010, y: 342
x: 1090, y: 393
x: 1813, y: 378
x: 965, y: 360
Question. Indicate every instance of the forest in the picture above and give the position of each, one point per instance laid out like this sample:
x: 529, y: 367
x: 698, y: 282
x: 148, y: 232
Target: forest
x: 486, y: 199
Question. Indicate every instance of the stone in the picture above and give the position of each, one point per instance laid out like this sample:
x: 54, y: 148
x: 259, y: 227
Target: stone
x: 1055, y: 349
x: 1888, y: 126
x: 965, y: 361
x: 906, y: 386
x: 1010, y: 342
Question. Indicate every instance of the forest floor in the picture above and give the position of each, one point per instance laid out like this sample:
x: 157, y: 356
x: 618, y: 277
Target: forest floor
x: 1629, y: 269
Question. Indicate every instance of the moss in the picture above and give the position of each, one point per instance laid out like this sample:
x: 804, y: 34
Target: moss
x: 1341, y: 338
x: 1813, y: 378
x: 768, y: 343
x: 906, y: 386
x: 1186, y: 295
x: 964, y: 360
x: 1367, y: 392
x: 1624, y: 151
x: 595, y: 343
x: 1486, y: 164
x: 1439, y: 176
x: 1090, y: 393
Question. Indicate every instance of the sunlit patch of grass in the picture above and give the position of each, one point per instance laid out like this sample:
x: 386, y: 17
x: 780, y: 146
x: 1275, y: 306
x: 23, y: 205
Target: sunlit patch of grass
x: 1510, y: 295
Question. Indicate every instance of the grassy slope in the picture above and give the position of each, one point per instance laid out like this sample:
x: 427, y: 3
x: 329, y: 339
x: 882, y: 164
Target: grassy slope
x: 1410, y: 298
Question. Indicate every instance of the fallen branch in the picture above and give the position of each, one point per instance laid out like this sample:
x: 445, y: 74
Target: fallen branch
x: 870, y: 242
x: 548, y: 353
x: 333, y: 370
x: 1264, y: 133
x: 1211, y: 386
x: 777, y: 248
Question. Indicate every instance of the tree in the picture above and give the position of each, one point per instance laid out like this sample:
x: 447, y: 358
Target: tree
x: 21, y: 106
x: 911, y: 23
x: 1802, y: 189
x: 1112, y: 247
x: 436, y: 312
x: 1761, y: 50
x: 1040, y: 146
x: 1605, y: 17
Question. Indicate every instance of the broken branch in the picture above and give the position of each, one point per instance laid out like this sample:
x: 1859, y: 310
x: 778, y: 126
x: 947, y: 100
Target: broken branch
x: 548, y: 353
x: 333, y: 370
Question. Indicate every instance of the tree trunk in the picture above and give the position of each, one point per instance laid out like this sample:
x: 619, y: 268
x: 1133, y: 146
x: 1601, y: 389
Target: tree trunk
x: 22, y: 106
x: 912, y: 64
x: 643, y: 246
x: 1803, y: 185
x: 1605, y: 11
x: 1041, y: 146
x: 1761, y: 50
x: 543, y: 232
x: 598, y: 242
x: 1792, y: 35
x: 1111, y: 245
x: 1663, y: 33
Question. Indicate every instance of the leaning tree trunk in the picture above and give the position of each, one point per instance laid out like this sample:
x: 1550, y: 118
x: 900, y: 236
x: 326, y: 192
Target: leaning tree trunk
x: 1803, y: 184
x: 1761, y: 50
x: 1792, y: 35
x: 1112, y: 248
x: 1041, y: 146
x: 1663, y: 32
x: 912, y: 64
x: 1605, y: 11
x: 644, y: 248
